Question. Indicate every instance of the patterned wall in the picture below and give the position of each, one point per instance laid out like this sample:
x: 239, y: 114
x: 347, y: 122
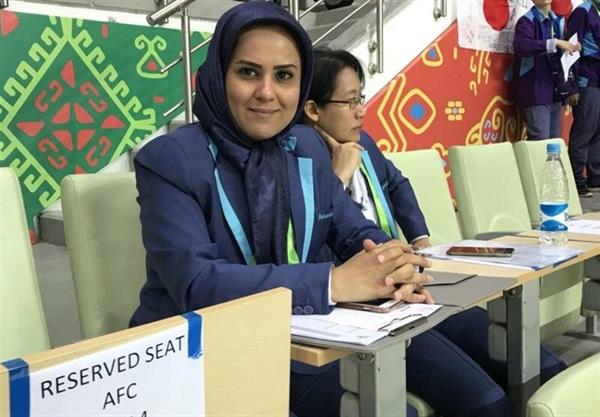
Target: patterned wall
x: 447, y: 96
x: 76, y: 94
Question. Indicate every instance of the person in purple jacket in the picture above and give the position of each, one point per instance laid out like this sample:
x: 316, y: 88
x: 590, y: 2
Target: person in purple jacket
x: 584, y: 138
x: 537, y: 75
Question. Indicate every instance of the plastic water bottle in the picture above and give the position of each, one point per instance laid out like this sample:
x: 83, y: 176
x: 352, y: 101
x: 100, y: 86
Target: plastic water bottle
x: 554, y: 199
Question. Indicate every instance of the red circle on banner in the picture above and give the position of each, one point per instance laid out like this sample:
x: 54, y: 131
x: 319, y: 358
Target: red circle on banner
x: 497, y: 13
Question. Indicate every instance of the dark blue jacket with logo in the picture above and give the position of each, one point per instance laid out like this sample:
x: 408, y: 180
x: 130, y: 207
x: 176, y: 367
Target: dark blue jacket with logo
x: 398, y: 192
x: 193, y: 259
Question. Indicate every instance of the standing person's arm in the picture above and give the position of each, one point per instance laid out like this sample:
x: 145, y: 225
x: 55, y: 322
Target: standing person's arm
x: 526, y: 44
x: 576, y: 25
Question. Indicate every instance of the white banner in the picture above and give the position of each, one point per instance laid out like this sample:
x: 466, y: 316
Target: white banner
x: 152, y: 376
x: 489, y: 25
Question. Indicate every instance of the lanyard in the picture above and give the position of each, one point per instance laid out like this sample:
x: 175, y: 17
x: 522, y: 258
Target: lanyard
x: 384, y: 215
x: 306, y: 178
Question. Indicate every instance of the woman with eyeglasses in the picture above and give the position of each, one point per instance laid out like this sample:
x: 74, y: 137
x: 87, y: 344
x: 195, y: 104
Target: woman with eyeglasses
x: 335, y: 107
x: 456, y: 349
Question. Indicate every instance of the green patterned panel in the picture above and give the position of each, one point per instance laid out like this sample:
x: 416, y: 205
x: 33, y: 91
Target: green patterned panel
x: 76, y: 94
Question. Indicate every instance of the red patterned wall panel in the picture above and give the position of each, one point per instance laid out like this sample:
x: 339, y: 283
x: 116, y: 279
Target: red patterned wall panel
x: 446, y: 96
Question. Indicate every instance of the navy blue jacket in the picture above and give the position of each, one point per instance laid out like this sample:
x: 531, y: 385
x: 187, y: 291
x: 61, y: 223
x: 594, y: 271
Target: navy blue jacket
x: 398, y: 192
x: 193, y: 259
x: 533, y: 80
x: 585, y: 21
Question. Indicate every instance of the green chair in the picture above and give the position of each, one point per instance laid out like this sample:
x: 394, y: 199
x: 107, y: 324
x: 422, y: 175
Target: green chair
x: 530, y: 157
x: 22, y: 324
x: 104, y: 241
x: 572, y: 393
x: 487, y: 189
x: 425, y: 170
x: 426, y: 174
x: 490, y: 198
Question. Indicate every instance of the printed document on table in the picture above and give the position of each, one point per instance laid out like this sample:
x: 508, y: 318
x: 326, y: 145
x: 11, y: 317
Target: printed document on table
x: 568, y: 59
x: 356, y: 326
x: 590, y: 227
x: 525, y: 256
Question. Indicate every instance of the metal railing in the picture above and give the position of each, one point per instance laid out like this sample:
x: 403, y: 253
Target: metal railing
x: 158, y: 17
x: 175, y: 6
x: 442, y: 10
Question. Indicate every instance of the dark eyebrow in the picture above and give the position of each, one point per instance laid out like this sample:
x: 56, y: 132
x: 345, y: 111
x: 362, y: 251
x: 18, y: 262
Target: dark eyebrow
x: 353, y: 91
x: 248, y: 63
x: 255, y: 65
x: 286, y: 66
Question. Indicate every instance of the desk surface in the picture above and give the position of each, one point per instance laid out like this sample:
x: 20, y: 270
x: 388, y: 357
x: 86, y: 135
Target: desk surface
x: 594, y: 215
x: 584, y: 237
x: 523, y: 276
x: 320, y: 356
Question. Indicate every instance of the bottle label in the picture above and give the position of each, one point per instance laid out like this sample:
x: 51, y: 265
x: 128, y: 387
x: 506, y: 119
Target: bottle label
x: 554, y: 217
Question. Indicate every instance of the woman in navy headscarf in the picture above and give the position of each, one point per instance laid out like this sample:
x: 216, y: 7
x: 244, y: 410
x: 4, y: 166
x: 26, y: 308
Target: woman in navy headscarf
x: 241, y: 202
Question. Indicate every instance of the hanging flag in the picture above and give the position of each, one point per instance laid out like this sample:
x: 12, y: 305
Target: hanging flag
x: 488, y: 25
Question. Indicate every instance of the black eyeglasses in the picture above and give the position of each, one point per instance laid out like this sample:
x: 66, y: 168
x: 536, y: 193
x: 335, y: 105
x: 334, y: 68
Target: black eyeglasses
x: 352, y: 103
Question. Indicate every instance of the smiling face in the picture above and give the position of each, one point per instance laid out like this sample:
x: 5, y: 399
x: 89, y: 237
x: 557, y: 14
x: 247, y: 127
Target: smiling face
x: 337, y: 119
x: 263, y: 81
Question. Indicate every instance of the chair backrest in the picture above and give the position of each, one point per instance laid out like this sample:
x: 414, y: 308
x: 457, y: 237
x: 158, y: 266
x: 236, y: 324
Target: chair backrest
x: 490, y: 198
x: 488, y: 189
x: 425, y: 170
x: 104, y: 241
x: 22, y: 324
x: 530, y: 160
x: 573, y: 392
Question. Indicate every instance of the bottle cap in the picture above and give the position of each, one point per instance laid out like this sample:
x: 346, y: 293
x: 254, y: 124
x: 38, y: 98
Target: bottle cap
x: 553, y: 148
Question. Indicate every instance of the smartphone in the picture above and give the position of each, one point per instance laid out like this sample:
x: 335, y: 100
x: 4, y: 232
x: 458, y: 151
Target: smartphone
x: 480, y: 251
x: 383, y: 305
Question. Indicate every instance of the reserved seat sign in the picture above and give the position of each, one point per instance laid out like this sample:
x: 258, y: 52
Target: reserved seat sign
x: 158, y: 374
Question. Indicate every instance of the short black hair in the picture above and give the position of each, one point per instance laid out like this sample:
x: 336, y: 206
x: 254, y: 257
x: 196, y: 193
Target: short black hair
x: 328, y: 63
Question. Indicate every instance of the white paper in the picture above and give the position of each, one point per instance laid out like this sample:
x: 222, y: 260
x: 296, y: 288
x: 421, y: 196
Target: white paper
x: 356, y: 326
x: 316, y: 326
x: 591, y: 227
x: 568, y: 59
x: 532, y: 257
x: 475, y: 32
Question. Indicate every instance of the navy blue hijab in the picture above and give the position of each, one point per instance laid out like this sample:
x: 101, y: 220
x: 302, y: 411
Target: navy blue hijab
x: 262, y: 163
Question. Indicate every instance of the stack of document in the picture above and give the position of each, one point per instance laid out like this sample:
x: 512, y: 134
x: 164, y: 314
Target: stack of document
x: 588, y: 227
x: 358, y: 327
x: 533, y: 257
